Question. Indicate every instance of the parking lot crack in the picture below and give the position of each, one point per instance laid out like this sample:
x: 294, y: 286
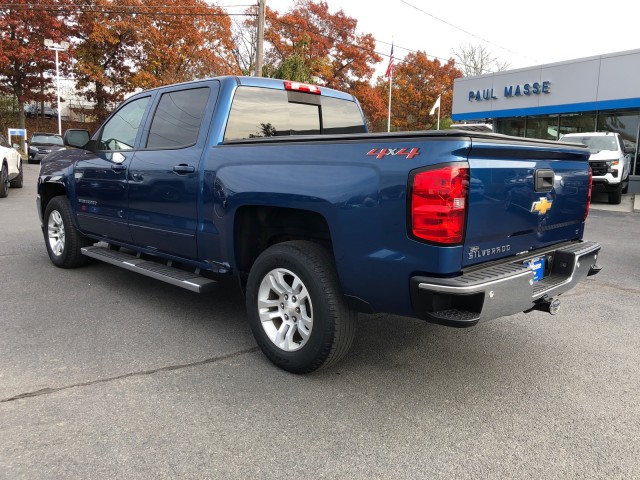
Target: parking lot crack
x: 49, y: 391
x: 617, y: 287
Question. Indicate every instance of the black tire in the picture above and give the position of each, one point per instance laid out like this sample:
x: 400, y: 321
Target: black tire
x: 4, y: 181
x: 61, y: 237
x: 615, y: 196
x: 324, y: 315
x: 18, y: 181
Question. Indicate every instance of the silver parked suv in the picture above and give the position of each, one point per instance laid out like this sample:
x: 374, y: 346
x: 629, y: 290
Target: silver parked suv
x: 609, y: 161
x: 42, y: 144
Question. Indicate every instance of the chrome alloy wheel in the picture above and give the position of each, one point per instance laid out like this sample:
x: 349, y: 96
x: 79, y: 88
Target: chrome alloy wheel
x: 55, y: 231
x: 285, y: 309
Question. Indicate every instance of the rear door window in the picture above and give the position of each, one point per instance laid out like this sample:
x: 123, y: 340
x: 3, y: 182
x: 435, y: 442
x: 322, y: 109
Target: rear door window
x: 176, y: 122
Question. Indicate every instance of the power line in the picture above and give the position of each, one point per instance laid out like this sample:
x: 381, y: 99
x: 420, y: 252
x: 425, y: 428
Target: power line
x: 41, y: 6
x: 463, y: 30
x: 445, y: 60
x: 157, y: 10
x: 122, y: 9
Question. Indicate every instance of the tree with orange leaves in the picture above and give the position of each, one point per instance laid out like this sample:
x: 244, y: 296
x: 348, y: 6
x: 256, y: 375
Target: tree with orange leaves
x: 24, y: 59
x: 417, y: 83
x: 106, y: 44
x: 129, y: 44
x: 184, y: 40
x: 332, y: 51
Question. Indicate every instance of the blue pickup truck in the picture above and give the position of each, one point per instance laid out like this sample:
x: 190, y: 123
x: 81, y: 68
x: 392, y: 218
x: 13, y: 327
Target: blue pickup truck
x: 278, y: 185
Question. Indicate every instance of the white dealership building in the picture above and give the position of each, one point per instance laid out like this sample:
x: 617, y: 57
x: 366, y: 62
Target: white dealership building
x: 600, y: 93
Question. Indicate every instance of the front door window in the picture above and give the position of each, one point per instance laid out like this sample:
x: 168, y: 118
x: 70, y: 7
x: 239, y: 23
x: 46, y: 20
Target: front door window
x: 121, y: 130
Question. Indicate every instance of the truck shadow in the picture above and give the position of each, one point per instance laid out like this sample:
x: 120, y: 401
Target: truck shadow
x: 388, y: 349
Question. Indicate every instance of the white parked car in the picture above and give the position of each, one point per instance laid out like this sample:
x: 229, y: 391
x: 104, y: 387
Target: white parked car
x: 10, y: 167
x: 609, y: 161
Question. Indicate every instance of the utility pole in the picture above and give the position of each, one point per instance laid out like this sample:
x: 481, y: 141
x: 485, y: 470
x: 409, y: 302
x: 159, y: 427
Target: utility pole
x: 260, y: 45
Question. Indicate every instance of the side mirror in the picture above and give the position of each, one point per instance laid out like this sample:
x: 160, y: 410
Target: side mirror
x: 76, y: 137
x: 15, y: 145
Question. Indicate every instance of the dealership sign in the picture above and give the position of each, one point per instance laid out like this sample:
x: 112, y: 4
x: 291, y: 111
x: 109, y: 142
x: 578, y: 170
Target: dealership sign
x: 524, y: 90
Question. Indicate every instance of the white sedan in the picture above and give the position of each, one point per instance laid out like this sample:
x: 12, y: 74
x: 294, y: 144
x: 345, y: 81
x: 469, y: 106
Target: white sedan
x: 10, y: 167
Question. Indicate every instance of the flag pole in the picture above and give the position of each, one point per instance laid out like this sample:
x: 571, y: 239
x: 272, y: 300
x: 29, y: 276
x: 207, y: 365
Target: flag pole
x: 438, y: 118
x: 389, y: 109
x: 390, y: 75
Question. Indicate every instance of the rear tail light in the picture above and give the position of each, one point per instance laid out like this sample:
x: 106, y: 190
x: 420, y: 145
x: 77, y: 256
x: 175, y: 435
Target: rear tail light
x: 438, y: 204
x: 586, y: 208
x: 301, y: 87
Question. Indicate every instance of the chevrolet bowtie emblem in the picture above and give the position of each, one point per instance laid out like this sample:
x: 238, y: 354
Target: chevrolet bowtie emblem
x: 542, y: 206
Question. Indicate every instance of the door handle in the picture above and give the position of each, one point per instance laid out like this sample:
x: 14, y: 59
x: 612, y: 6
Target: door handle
x: 183, y: 169
x: 119, y: 168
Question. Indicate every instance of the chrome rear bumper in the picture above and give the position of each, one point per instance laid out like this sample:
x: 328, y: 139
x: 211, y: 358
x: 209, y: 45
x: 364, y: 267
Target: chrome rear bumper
x: 502, y: 289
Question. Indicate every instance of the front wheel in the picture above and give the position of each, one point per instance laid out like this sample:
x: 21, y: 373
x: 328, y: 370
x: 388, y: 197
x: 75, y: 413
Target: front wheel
x: 615, y: 196
x: 19, y: 180
x: 63, y: 240
x: 4, y: 181
x: 296, y: 310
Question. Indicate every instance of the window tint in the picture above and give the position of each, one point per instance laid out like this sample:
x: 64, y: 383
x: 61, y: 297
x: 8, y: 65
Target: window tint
x: 120, y: 132
x: 341, y: 116
x: 177, y: 120
x: 262, y: 112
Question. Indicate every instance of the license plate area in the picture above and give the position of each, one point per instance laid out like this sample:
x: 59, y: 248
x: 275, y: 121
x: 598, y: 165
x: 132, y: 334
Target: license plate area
x: 537, y: 266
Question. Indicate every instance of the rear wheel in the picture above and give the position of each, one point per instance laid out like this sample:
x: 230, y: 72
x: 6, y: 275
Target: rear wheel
x: 62, y: 238
x: 615, y: 197
x: 296, y: 310
x: 17, y: 182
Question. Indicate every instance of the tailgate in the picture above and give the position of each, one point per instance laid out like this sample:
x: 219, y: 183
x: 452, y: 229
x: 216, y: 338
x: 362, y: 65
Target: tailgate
x: 523, y: 196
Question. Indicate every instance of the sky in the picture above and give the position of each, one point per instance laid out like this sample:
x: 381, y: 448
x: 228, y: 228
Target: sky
x: 523, y: 34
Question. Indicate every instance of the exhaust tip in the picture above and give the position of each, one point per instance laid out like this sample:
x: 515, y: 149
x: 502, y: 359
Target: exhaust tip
x: 549, y: 305
x: 554, y: 306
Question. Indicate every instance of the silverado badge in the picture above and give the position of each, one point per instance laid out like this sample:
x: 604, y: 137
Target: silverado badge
x: 542, y: 206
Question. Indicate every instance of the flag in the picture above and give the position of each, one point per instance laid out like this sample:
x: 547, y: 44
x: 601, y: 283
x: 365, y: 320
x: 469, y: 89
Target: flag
x: 390, y: 66
x: 435, y: 105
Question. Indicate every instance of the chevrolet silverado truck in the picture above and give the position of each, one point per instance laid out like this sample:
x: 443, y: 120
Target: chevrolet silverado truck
x: 610, y: 162
x: 279, y: 186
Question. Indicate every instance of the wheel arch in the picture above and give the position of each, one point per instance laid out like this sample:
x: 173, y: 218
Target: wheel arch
x: 257, y: 227
x: 49, y: 190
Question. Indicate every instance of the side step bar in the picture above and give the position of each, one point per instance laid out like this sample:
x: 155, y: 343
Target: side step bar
x: 175, y: 276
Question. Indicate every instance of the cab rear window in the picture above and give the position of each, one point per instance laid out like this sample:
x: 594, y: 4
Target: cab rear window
x: 263, y: 112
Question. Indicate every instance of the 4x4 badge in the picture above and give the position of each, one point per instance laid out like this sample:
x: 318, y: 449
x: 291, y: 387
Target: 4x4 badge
x: 542, y: 206
x: 383, y: 152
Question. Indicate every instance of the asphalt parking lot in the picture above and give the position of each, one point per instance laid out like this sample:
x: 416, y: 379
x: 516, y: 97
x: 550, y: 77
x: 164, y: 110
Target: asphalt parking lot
x: 107, y: 374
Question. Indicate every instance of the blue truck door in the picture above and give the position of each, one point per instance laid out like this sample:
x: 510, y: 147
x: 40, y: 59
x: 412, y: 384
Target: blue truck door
x: 101, y: 187
x: 164, y: 178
